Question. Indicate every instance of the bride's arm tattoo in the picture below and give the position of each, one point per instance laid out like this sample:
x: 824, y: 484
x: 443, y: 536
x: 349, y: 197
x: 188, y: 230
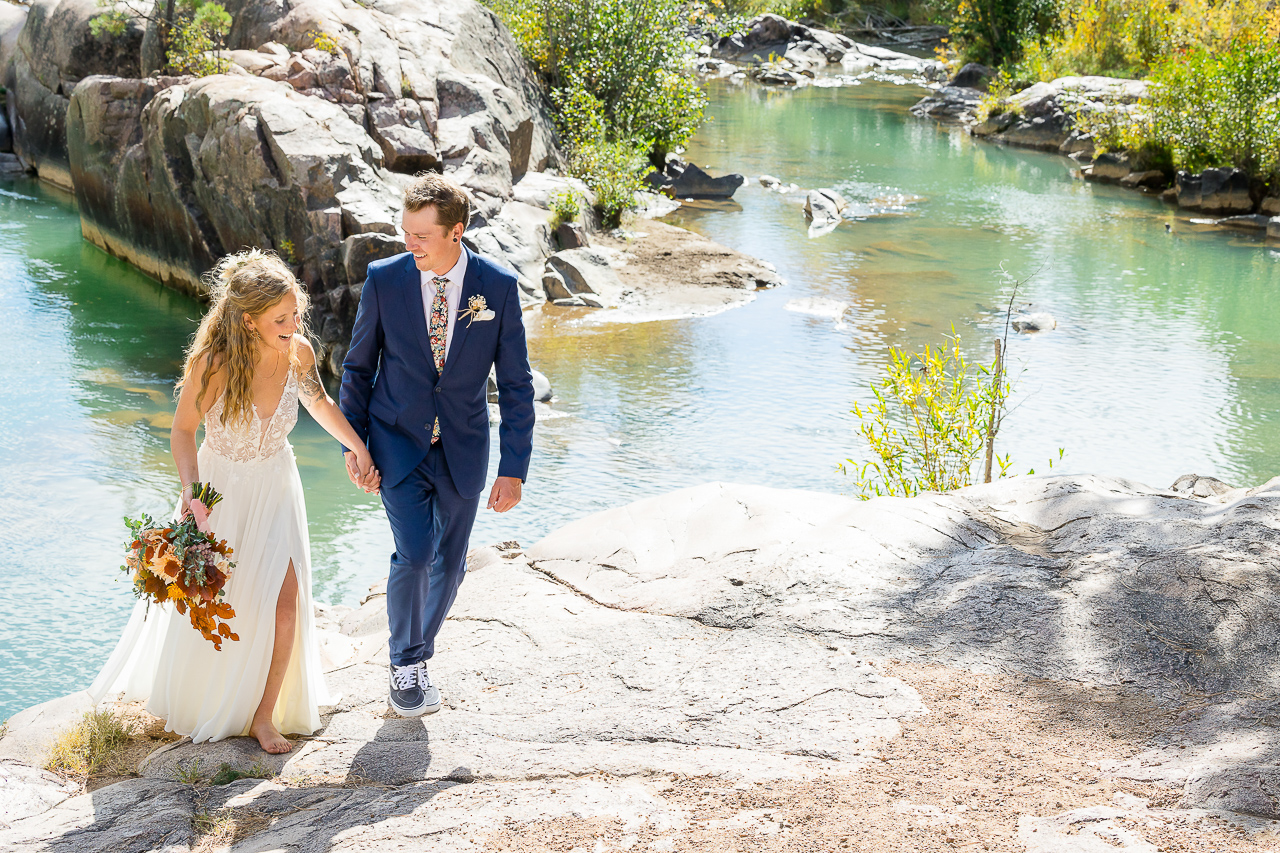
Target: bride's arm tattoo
x: 310, y: 385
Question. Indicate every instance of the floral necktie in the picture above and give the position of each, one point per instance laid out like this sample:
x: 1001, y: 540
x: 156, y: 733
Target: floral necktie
x: 439, y: 330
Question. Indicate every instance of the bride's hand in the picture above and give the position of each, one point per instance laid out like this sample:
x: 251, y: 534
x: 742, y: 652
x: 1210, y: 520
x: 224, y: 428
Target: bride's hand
x: 361, y: 471
x: 370, y: 479
x: 185, y: 502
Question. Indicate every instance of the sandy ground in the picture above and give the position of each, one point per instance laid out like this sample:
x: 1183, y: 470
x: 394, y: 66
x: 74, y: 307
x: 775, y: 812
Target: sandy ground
x: 993, y: 749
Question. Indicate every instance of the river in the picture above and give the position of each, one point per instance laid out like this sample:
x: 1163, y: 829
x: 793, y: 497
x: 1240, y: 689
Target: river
x: 1164, y: 361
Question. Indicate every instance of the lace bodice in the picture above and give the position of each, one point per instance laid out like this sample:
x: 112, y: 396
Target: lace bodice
x: 260, y: 438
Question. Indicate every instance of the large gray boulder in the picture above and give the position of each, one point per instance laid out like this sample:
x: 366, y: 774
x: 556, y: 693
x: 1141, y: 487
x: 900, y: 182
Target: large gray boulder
x: 171, y: 177
x: 1041, y: 116
x: 974, y: 75
x: 55, y: 50
x: 12, y: 19
x: 679, y: 179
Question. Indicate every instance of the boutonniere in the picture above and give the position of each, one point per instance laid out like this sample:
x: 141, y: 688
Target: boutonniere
x: 477, y: 310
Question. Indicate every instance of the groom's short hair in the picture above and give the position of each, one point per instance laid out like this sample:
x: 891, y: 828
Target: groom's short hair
x: 433, y: 189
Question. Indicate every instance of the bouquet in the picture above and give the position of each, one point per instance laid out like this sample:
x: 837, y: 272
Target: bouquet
x: 183, y: 563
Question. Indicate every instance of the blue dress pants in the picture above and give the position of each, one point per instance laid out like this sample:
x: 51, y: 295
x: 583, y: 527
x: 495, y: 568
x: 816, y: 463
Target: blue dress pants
x: 431, y: 524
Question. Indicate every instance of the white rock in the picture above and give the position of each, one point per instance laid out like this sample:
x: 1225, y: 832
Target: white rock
x: 26, y: 791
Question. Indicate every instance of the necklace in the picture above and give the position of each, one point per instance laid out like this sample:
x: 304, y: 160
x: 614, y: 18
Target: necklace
x: 274, y: 368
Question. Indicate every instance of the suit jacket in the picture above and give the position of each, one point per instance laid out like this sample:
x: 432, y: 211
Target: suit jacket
x: 392, y: 394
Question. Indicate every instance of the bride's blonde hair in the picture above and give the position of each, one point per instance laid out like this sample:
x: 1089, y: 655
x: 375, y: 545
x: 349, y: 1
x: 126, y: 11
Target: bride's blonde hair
x: 249, y: 283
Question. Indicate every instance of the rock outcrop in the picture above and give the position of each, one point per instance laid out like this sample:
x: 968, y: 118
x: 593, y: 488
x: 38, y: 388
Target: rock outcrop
x: 1043, y: 117
x: 12, y: 19
x: 55, y: 49
x: 679, y: 179
x: 784, y: 51
x: 582, y: 277
x: 295, y: 148
x: 1226, y: 191
x: 728, y: 633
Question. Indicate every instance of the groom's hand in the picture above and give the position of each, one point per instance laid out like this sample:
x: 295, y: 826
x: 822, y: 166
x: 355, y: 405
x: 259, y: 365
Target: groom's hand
x: 505, y: 494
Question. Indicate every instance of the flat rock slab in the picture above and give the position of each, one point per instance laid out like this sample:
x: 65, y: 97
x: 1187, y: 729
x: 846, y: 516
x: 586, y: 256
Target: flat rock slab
x: 28, y: 733
x: 128, y: 817
x: 1071, y: 578
x: 728, y: 634
x: 541, y: 682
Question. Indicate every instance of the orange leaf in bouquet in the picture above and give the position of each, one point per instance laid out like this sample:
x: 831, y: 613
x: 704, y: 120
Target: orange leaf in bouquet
x: 183, y: 563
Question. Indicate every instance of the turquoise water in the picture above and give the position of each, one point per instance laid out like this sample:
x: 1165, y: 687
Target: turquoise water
x: 1163, y: 362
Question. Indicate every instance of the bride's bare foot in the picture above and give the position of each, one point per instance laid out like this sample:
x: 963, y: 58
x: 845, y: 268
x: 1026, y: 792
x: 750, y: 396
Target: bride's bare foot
x: 269, y: 738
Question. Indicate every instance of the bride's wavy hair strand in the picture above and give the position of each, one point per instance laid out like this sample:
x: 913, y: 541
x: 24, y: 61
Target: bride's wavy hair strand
x: 247, y: 283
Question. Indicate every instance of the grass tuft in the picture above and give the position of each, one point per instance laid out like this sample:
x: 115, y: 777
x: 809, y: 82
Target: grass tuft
x: 189, y: 772
x: 227, y: 774
x: 88, y: 746
x: 222, y: 828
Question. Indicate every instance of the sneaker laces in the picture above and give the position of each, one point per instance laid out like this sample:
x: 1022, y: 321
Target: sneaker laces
x: 423, y: 678
x: 403, y: 677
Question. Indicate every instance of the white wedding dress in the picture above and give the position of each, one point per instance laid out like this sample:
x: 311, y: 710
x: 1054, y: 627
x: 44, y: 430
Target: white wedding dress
x: 208, y: 694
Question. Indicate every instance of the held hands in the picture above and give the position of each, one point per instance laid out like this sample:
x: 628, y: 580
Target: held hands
x: 361, y: 471
x: 505, y: 494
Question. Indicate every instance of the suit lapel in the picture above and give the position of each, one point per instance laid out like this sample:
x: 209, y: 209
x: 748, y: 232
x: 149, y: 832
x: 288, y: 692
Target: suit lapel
x: 470, y: 288
x: 411, y: 280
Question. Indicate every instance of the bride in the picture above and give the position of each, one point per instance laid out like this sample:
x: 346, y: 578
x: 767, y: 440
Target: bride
x: 245, y: 372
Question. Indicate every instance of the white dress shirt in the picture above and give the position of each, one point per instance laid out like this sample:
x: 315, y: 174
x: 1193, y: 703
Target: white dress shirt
x: 452, y: 295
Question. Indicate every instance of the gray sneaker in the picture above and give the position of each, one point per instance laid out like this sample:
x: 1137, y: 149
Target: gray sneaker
x: 430, y: 695
x: 407, y: 698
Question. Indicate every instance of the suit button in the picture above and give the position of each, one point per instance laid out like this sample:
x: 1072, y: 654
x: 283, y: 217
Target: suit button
x: 437, y: 389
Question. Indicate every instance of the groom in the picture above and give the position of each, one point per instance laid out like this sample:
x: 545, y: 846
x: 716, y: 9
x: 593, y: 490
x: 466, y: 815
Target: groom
x: 431, y: 323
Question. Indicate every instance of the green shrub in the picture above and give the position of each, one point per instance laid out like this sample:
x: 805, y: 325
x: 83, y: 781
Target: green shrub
x: 628, y: 54
x: 930, y: 422
x: 993, y: 31
x: 190, y: 31
x: 620, y: 89
x: 564, y: 207
x: 1215, y: 109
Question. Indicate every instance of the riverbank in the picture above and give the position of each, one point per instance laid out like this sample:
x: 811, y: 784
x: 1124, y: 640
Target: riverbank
x: 709, y: 665
x: 1043, y: 117
x: 778, y: 53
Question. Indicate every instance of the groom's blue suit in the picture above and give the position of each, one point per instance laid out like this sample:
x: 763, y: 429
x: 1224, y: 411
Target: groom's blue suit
x: 392, y: 394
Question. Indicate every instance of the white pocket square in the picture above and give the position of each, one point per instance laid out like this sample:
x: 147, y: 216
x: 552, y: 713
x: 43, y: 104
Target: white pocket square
x: 486, y: 314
